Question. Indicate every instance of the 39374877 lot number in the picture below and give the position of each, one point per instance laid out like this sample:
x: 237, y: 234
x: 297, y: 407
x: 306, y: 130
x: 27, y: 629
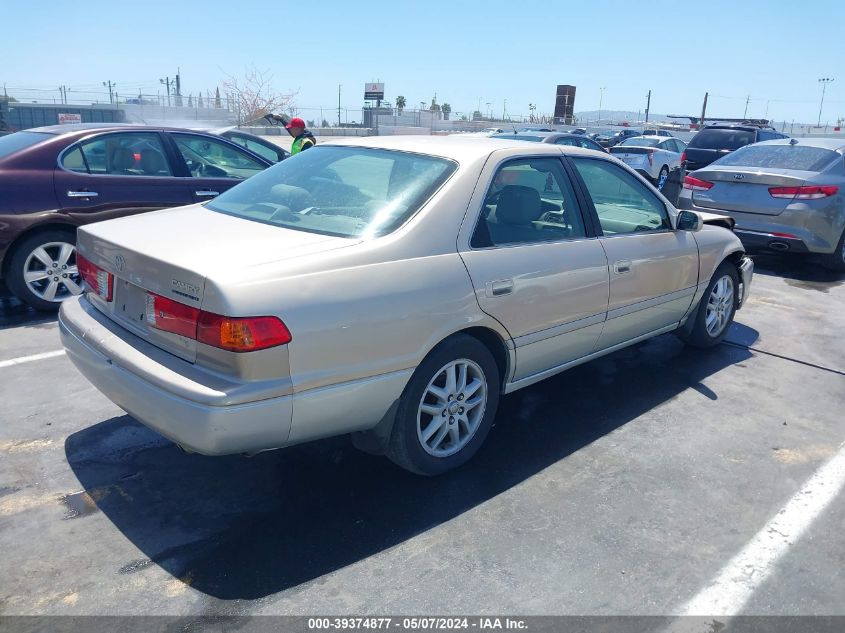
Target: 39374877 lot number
x: 414, y: 623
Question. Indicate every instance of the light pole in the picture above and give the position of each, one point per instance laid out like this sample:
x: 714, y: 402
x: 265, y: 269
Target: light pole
x: 489, y: 111
x: 110, y: 87
x: 823, y: 81
x: 601, y: 98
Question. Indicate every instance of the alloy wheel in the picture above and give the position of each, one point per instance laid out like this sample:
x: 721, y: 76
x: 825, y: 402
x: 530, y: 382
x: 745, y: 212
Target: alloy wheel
x: 452, y: 408
x: 50, y: 272
x: 719, y: 306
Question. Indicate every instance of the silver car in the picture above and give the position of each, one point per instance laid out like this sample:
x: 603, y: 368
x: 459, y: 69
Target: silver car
x: 392, y: 288
x: 785, y: 195
x: 652, y: 156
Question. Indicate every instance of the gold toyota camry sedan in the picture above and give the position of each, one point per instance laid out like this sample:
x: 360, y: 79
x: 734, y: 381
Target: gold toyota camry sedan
x: 391, y: 288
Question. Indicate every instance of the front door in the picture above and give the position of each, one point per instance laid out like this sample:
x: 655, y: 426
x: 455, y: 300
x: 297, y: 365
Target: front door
x: 116, y: 174
x: 534, y: 265
x: 653, y: 268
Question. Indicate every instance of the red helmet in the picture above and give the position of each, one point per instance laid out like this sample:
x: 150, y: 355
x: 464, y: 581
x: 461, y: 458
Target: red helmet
x: 295, y: 122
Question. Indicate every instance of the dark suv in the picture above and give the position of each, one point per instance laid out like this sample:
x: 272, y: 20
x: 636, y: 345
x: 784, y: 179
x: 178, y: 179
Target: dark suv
x: 714, y: 141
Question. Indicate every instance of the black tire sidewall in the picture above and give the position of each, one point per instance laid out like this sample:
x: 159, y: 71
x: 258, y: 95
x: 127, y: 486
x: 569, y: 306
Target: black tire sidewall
x: 700, y: 337
x: 15, y: 279
x: 405, y: 448
x: 835, y: 260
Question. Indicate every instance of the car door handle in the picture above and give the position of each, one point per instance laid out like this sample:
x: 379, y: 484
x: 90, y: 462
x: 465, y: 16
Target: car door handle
x: 205, y: 193
x: 499, y: 287
x: 622, y: 266
x: 82, y: 194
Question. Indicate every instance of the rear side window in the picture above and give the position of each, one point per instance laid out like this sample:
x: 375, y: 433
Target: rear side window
x: 721, y: 139
x: 781, y: 157
x: 20, y: 140
x: 125, y: 154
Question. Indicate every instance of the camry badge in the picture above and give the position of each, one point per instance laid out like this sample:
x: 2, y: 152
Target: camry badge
x: 119, y: 263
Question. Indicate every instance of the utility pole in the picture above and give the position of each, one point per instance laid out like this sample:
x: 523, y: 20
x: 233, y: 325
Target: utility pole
x: 505, y: 110
x: 703, y: 111
x: 601, y: 98
x: 338, y: 105
x: 647, y: 105
x: 178, y: 88
x: 823, y: 81
x: 745, y: 114
x: 110, y: 86
x: 166, y: 81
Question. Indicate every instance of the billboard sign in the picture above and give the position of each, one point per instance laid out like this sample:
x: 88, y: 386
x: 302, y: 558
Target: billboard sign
x: 373, y: 92
x: 69, y: 118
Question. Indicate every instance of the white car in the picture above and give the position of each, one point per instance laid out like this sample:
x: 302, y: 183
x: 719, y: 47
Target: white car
x: 652, y: 156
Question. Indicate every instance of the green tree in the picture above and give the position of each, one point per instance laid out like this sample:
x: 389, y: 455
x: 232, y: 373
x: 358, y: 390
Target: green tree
x: 400, y: 103
x: 477, y: 116
x: 447, y: 110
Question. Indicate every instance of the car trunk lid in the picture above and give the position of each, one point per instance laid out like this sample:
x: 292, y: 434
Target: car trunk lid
x: 746, y: 190
x: 171, y: 253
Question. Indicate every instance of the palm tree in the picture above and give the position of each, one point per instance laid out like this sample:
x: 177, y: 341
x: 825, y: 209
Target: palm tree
x: 400, y: 103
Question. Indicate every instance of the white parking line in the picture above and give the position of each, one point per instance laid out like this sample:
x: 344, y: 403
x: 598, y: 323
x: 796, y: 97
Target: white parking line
x: 731, y: 589
x: 27, y: 359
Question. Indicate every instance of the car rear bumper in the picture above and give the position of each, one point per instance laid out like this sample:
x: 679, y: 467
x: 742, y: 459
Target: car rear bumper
x: 765, y: 240
x: 167, y: 394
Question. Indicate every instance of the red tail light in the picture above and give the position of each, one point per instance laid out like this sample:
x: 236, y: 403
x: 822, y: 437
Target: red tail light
x: 804, y: 193
x: 696, y: 184
x: 236, y: 334
x: 98, y: 281
x: 683, y: 157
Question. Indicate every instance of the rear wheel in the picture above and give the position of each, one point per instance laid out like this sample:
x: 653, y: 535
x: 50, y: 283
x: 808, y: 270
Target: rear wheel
x: 836, y: 259
x: 662, y: 178
x: 716, y: 311
x: 43, y: 272
x: 447, y: 408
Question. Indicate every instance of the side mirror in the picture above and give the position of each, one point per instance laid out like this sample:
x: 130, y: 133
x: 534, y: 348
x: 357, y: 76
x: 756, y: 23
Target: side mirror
x: 689, y: 221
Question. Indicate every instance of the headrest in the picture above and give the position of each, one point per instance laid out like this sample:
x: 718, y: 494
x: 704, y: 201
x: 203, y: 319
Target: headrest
x: 518, y: 205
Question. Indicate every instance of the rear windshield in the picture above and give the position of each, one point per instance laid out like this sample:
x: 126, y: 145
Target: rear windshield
x: 19, y: 140
x: 342, y: 191
x: 521, y: 137
x: 639, y: 141
x: 782, y: 157
x: 722, y: 139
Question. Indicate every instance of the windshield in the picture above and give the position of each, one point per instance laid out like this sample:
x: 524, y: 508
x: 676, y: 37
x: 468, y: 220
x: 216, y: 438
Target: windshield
x: 781, y: 157
x: 20, y: 140
x: 639, y: 141
x: 722, y: 139
x: 342, y: 191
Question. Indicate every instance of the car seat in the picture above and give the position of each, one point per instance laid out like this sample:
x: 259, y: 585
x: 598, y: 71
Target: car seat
x: 122, y: 161
x: 517, y: 207
x: 153, y: 163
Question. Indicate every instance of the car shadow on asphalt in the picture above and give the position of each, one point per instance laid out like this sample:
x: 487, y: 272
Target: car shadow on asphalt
x: 799, y: 270
x: 244, y: 528
x: 15, y: 313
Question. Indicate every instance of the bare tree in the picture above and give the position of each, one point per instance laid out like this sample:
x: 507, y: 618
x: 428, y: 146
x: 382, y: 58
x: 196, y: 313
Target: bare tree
x: 254, y: 94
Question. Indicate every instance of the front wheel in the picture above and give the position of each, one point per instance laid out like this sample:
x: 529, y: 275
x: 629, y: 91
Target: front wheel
x: 447, y: 408
x: 43, y: 272
x: 716, y: 311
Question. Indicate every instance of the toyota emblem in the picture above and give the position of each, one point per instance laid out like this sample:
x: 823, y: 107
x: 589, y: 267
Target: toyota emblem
x: 119, y: 263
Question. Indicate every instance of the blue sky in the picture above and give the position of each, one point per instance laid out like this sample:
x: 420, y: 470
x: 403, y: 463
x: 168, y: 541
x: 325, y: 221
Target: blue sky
x: 464, y: 51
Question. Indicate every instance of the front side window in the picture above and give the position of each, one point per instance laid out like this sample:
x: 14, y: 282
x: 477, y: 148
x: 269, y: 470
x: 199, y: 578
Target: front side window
x: 623, y: 203
x: 126, y: 154
x: 210, y: 158
x: 529, y: 201
x: 259, y: 148
x: 343, y: 191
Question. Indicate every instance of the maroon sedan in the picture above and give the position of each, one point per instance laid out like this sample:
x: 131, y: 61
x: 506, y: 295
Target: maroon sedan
x: 53, y: 179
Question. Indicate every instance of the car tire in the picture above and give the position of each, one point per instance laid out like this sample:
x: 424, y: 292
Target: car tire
x: 434, y: 431
x: 836, y: 259
x: 28, y: 275
x: 662, y: 178
x: 715, y: 311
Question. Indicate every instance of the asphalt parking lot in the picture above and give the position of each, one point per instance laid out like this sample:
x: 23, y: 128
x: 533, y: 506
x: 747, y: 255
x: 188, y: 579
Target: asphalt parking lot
x: 623, y: 486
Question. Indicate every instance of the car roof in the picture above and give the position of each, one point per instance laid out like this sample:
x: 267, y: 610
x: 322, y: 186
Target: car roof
x: 69, y: 128
x: 835, y: 144
x: 456, y: 147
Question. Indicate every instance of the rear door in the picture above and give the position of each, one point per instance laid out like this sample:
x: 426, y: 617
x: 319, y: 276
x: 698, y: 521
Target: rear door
x: 535, y: 263
x: 653, y: 268
x: 116, y: 174
x: 212, y: 165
